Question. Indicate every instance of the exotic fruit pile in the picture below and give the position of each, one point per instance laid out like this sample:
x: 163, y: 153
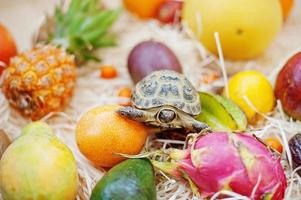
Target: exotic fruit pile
x: 151, y: 100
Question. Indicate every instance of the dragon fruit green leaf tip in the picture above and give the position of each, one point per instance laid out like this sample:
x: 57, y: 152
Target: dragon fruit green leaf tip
x: 227, y: 161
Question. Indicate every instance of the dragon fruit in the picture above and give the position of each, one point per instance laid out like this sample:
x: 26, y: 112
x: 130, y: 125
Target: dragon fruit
x: 228, y: 161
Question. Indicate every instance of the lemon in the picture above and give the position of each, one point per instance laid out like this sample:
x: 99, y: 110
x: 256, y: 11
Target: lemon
x: 246, y: 27
x: 252, y: 86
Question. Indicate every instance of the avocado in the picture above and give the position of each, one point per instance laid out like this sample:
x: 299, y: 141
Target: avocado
x: 132, y: 179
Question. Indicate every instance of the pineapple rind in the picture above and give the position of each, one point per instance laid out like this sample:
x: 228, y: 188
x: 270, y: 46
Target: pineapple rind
x: 40, y: 81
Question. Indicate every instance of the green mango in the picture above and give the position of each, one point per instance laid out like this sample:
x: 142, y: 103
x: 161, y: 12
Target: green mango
x: 132, y: 179
x: 221, y: 113
x: 38, y: 166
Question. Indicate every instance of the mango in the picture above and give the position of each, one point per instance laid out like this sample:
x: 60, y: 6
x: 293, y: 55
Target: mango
x: 38, y: 166
x: 4, y: 142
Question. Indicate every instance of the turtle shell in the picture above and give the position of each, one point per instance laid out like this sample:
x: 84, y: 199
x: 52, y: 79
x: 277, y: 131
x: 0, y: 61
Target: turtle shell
x: 169, y: 88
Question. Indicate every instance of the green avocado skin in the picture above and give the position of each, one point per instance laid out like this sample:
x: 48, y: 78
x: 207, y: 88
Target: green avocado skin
x: 132, y: 179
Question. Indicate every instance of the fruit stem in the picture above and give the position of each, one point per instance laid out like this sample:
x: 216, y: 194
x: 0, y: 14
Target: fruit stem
x: 177, y: 154
x: 167, y: 167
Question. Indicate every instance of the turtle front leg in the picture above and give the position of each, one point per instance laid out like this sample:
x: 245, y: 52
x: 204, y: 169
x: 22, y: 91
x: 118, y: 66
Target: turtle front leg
x: 197, y: 126
x: 134, y: 114
x: 193, y: 125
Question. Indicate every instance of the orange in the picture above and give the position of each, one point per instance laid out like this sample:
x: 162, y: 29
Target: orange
x: 287, y: 6
x: 125, y: 92
x: 274, y: 143
x: 144, y: 9
x: 8, y: 47
x: 101, y: 134
x: 108, y: 72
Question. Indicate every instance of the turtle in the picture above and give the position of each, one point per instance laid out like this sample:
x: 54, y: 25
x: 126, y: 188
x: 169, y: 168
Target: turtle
x: 165, y: 99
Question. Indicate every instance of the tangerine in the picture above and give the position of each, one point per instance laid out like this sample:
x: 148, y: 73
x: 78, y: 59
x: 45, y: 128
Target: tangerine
x: 144, y: 9
x: 274, y: 143
x: 8, y: 47
x: 125, y: 92
x: 108, y: 72
x: 101, y: 134
x: 287, y: 6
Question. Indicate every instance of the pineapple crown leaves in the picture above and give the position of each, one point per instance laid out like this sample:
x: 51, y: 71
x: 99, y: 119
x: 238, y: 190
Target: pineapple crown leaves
x: 83, y: 28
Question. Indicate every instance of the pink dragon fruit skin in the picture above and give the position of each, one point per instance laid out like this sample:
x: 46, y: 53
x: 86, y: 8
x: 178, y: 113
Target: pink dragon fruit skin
x: 235, y: 162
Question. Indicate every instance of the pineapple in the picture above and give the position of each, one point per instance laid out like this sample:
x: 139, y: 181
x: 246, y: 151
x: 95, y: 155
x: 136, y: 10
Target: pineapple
x: 42, y: 80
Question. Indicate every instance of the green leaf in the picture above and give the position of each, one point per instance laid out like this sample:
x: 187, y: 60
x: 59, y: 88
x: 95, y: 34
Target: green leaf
x: 106, y: 41
x: 72, y: 10
x: 103, y: 20
x: 90, y: 57
x: 89, y: 5
x: 59, y: 19
x: 95, y: 21
x: 84, y: 28
x: 74, y: 6
x: 92, y: 36
x: 75, y: 24
x: 59, y: 15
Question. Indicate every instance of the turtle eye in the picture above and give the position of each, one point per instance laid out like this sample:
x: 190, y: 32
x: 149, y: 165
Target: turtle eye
x: 166, y: 116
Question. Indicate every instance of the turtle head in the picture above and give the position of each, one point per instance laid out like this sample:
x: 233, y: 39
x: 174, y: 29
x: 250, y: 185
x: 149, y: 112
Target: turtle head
x: 166, y: 115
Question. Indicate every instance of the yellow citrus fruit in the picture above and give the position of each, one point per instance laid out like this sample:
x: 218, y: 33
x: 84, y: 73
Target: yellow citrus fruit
x: 101, y: 134
x: 254, y: 86
x: 246, y: 27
